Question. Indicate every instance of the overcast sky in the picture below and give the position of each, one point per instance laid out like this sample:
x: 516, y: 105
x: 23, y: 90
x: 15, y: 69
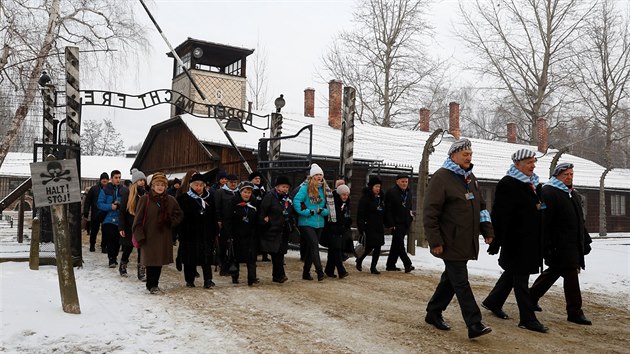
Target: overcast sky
x: 295, y: 34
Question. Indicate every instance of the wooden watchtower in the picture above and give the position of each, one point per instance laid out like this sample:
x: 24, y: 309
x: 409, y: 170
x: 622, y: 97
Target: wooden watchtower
x: 219, y: 70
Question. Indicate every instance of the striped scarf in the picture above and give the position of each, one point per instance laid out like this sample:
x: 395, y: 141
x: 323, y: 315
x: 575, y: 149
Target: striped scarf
x: 484, y: 215
x: 556, y: 183
x: 516, y: 174
x: 330, y: 202
x: 452, y: 166
x: 202, y: 197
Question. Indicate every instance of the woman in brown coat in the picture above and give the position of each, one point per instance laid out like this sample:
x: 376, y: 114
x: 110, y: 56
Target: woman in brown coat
x: 157, y: 213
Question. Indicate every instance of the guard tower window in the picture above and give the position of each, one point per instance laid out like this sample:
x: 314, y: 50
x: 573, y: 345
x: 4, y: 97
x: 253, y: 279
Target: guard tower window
x: 186, y: 61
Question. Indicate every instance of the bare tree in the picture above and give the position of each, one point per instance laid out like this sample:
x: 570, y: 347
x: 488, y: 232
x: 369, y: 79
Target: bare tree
x: 601, y: 76
x: 101, y: 139
x: 383, y: 59
x: 520, y: 44
x: 257, y: 80
x: 34, y: 33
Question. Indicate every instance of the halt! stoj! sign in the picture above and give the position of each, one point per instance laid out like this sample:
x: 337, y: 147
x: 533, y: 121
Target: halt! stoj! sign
x: 55, y: 182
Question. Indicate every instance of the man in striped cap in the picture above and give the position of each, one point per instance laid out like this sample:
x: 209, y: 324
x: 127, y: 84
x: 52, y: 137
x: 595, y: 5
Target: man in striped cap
x: 516, y: 219
x: 454, y: 215
x: 566, y: 241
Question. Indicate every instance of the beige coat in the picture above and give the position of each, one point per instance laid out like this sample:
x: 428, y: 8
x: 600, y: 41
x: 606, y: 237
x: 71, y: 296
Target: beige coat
x: 452, y: 221
x: 156, y: 241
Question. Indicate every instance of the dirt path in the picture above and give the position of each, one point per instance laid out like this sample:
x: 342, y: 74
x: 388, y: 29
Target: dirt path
x: 366, y: 313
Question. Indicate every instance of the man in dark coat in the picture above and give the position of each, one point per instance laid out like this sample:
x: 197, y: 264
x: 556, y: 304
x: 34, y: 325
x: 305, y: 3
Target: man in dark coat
x: 370, y: 222
x: 275, y: 218
x: 517, y: 222
x: 566, y: 241
x: 223, y: 207
x: 197, y: 232
x: 454, y: 216
x: 398, y: 216
x: 90, y: 209
x: 109, y: 201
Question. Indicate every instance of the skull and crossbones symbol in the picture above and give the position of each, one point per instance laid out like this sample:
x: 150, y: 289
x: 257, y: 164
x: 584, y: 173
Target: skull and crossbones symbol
x: 55, y: 173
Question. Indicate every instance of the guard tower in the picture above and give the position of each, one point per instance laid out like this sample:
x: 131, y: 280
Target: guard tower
x: 219, y: 70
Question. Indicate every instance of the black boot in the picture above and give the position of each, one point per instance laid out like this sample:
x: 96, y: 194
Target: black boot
x: 122, y: 269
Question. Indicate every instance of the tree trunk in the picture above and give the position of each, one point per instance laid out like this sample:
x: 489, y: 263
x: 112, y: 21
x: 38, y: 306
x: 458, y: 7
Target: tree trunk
x: 23, y: 108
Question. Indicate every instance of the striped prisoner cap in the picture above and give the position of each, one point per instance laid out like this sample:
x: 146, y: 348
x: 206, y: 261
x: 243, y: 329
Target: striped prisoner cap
x: 561, y: 167
x: 522, y: 154
x: 460, y: 145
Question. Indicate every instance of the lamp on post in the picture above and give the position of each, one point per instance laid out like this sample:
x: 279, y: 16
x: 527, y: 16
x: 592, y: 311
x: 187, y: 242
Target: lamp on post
x: 279, y: 102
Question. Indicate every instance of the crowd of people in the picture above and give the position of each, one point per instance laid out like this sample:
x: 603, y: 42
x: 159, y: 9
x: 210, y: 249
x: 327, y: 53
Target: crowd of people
x: 231, y: 222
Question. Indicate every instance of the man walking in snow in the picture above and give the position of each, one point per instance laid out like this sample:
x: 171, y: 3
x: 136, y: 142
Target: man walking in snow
x: 566, y: 241
x: 454, y: 215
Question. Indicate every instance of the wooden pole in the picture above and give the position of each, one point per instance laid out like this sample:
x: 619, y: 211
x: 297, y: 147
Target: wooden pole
x: 33, y: 260
x: 417, y: 227
x: 349, y: 109
x: 20, y: 236
x: 65, y: 271
x: 73, y: 136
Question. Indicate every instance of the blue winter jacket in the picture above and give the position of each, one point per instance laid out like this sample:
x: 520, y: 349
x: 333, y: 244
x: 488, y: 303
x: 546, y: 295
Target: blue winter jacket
x: 307, y: 210
x: 106, y: 198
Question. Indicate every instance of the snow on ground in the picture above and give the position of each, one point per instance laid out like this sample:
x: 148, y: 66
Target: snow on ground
x: 607, y: 266
x: 119, y: 316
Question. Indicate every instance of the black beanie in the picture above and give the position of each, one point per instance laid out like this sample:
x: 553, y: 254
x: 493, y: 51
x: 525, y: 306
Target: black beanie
x: 282, y: 180
x: 374, y: 180
x: 254, y: 175
x: 104, y: 175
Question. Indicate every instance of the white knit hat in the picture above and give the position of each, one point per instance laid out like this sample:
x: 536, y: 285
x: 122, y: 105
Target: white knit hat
x: 316, y: 170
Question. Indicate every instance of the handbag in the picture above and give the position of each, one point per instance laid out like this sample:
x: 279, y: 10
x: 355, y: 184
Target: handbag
x: 359, y: 249
x: 144, y: 219
x: 293, y: 233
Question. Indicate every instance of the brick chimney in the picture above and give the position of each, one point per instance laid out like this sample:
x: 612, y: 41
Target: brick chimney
x: 542, y: 134
x: 453, y: 119
x: 335, y: 94
x: 511, y: 133
x: 309, y: 102
x: 424, y: 119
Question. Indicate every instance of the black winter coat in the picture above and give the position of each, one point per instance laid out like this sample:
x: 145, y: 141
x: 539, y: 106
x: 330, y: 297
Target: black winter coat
x: 517, y: 223
x: 336, y: 233
x: 398, y: 208
x: 273, y: 234
x: 566, y: 240
x: 370, y: 215
x: 241, y: 224
x: 223, y: 203
x: 90, y: 208
x: 197, y: 232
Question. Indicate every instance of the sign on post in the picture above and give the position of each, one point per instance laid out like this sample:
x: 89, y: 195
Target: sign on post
x: 55, y: 182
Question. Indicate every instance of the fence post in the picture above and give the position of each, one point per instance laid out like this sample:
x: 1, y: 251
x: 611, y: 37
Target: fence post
x: 20, y: 236
x: 73, y: 135
x: 349, y: 109
x: 33, y: 260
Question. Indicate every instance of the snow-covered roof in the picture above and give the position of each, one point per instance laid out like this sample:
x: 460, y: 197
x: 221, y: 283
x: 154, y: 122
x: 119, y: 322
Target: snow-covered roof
x: 401, y: 147
x: 16, y: 164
